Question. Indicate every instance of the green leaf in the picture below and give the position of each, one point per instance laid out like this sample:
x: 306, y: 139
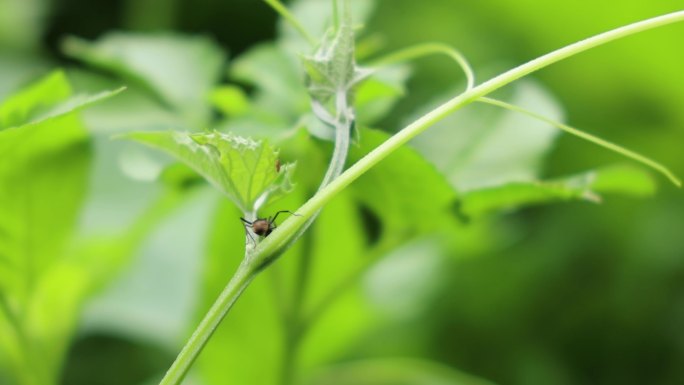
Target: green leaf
x: 494, y: 161
x: 480, y: 147
x: 406, y: 191
x: 331, y: 74
x: 591, y: 138
x: 408, y: 279
x: 230, y: 100
x: 316, y: 17
x: 25, y: 117
x: 331, y: 71
x: 43, y: 179
x: 44, y: 176
x: 17, y: 70
x: 136, y: 249
x: 626, y: 180
x: 247, y: 171
x: 180, y: 70
x: 22, y: 24
x: 45, y: 156
x: 281, y: 102
x: 279, y: 90
x: 376, y: 96
x: 25, y: 105
x: 394, y: 372
x: 588, y: 186
x: 40, y: 199
x: 104, y: 256
x: 335, y: 263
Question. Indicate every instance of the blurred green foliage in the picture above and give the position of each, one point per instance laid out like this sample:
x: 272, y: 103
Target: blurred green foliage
x: 466, y: 282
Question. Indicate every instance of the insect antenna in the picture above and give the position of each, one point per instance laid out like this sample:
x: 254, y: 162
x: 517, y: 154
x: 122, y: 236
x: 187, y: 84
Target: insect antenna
x: 283, y: 211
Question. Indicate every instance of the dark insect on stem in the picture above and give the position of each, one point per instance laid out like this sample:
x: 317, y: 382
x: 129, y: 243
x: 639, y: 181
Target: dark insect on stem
x: 262, y: 227
x: 277, y: 167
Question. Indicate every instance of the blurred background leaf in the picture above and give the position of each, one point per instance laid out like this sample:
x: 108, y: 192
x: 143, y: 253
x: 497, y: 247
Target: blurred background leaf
x: 572, y: 293
x: 159, y: 64
x: 395, y: 371
x: 46, y: 159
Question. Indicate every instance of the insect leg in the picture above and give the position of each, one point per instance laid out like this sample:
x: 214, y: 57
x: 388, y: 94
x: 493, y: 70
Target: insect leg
x: 246, y: 223
x: 283, y: 211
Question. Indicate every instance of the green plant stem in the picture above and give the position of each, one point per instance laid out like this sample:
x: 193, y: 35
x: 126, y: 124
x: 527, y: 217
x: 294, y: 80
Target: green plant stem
x: 421, y: 50
x: 342, y: 125
x: 287, y: 15
x: 199, y: 338
x: 339, y: 156
x: 276, y: 243
x: 591, y: 138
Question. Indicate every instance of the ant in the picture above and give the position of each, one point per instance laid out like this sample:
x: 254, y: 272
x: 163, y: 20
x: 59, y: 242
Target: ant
x: 263, y: 226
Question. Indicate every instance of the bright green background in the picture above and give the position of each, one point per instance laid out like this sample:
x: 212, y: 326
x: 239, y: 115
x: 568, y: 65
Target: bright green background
x: 573, y: 293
